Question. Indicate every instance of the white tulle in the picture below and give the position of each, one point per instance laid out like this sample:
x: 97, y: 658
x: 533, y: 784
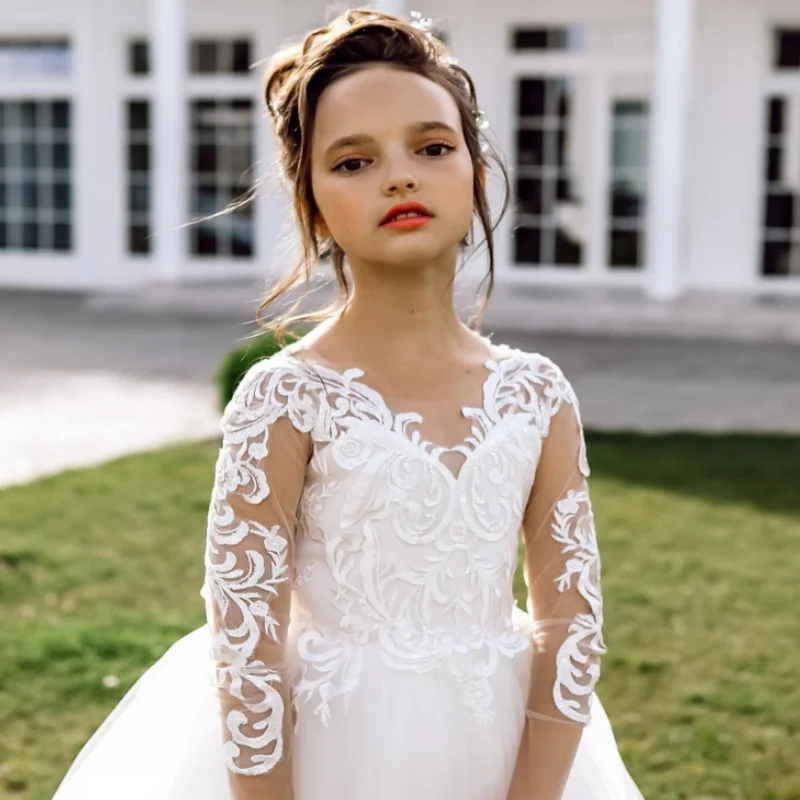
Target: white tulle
x: 147, y: 754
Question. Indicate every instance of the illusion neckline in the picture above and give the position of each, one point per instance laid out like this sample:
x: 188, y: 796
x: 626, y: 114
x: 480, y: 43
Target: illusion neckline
x: 396, y: 421
x: 352, y: 375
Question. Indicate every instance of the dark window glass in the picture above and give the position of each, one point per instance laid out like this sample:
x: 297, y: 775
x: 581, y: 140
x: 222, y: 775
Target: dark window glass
x: 776, y: 258
x: 528, y: 246
x: 62, y: 196
x: 532, y: 96
x: 568, y: 252
x: 204, y: 58
x: 139, y: 115
x: 779, y: 211
x: 29, y: 154
x: 30, y: 195
x: 530, y: 147
x: 787, y: 49
x: 139, y: 157
x: 62, y: 237
x: 240, y: 56
x: 61, y: 115
x: 139, y: 58
x: 544, y: 39
x: 138, y: 239
x: 139, y: 198
x: 530, y: 196
x: 30, y: 236
x: 33, y: 190
x: 3, y: 236
x: 61, y: 158
x: 625, y: 249
x: 27, y: 114
x: 776, y: 115
x: 774, y: 164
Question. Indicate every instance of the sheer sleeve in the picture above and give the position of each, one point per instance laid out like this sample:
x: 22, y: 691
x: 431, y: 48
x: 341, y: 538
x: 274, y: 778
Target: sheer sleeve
x: 249, y: 561
x: 562, y: 575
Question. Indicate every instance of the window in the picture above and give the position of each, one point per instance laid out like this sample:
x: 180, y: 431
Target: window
x: 20, y: 58
x: 35, y: 175
x: 628, y: 183
x: 780, y: 247
x: 220, y: 57
x: 138, y: 176
x: 547, y: 39
x: 543, y: 190
x: 787, y: 49
x: 222, y: 159
x: 139, y: 58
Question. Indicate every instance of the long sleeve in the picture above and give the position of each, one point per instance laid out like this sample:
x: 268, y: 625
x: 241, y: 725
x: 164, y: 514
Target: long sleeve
x: 562, y: 574
x: 249, y: 561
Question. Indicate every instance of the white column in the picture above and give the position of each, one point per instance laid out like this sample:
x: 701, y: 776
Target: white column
x: 168, y: 53
x: 674, y: 28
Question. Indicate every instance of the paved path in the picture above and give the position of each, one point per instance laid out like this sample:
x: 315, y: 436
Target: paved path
x: 80, y: 384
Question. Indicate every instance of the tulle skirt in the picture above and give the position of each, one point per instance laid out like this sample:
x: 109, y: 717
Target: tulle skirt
x: 405, y: 735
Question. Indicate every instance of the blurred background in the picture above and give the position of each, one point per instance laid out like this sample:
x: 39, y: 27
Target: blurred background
x: 652, y: 249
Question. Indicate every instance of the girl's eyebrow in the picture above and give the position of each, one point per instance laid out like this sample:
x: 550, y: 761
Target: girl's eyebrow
x: 362, y: 138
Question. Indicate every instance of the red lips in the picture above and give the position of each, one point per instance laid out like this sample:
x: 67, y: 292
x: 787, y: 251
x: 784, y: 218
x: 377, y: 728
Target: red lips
x: 405, y: 208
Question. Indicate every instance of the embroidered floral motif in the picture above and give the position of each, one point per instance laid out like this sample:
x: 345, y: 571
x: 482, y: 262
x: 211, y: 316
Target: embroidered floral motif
x: 394, y: 550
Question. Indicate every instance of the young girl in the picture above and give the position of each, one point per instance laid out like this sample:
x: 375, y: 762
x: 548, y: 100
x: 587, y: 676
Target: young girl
x: 363, y: 642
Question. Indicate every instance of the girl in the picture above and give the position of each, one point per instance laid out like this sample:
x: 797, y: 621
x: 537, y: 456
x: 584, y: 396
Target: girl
x: 363, y: 641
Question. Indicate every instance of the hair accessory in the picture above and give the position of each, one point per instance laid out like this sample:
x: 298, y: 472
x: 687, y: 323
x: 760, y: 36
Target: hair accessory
x: 480, y: 118
x: 421, y: 23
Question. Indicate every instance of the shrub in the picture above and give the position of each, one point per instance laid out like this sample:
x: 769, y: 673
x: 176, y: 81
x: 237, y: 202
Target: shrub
x: 238, y: 361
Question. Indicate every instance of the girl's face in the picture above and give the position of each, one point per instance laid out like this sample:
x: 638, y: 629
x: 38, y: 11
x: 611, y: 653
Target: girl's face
x: 382, y: 137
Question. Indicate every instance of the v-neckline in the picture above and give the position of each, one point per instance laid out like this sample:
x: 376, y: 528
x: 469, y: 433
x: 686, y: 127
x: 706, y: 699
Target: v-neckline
x: 396, y: 421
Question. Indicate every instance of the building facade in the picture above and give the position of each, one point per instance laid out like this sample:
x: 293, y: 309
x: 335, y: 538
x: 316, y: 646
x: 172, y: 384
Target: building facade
x: 652, y: 143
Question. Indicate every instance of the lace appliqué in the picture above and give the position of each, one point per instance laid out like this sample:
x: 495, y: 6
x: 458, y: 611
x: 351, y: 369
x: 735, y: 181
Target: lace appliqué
x: 578, y: 667
x: 245, y: 563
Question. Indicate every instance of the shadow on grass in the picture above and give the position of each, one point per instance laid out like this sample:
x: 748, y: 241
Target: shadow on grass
x: 762, y: 471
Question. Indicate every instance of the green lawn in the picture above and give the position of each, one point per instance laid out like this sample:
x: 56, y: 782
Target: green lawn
x: 100, y: 571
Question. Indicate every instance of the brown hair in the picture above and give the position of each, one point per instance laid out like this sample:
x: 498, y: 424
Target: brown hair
x: 296, y: 77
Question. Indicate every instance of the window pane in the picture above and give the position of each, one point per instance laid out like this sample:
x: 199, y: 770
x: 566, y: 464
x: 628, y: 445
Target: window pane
x: 568, y: 251
x: 139, y: 115
x: 204, y: 57
x: 62, y: 237
x: 138, y: 241
x: 528, y: 246
x: 241, y: 56
x: 531, y: 97
x: 40, y: 58
x: 787, y: 49
x: 138, y: 177
x: 558, y: 38
x: 779, y: 211
x: 61, y: 115
x: 36, y: 191
x: 222, y: 160
x: 62, y: 196
x: 776, y: 115
x: 139, y: 58
x: 530, y: 147
x: 30, y: 236
x: 776, y: 258
x: 625, y: 249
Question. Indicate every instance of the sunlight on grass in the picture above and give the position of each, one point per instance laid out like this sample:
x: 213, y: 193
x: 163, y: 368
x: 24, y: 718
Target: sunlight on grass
x: 100, y: 571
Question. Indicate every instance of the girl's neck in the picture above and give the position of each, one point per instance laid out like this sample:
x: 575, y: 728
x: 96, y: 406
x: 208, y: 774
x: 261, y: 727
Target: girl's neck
x: 402, y: 317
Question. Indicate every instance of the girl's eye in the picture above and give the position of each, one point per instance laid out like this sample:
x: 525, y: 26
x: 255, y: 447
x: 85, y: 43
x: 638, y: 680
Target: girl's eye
x: 347, y: 165
x: 448, y: 148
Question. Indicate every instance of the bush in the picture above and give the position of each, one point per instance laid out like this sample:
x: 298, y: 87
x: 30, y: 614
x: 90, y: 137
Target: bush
x: 238, y: 361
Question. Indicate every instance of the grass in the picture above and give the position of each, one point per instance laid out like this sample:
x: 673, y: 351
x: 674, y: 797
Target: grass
x: 100, y: 571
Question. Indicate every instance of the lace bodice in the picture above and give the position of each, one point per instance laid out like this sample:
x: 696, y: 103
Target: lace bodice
x: 364, y: 527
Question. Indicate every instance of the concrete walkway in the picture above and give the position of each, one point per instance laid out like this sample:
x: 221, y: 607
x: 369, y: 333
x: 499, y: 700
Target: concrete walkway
x: 86, y: 379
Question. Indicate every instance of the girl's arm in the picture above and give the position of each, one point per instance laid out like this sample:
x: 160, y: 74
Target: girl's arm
x: 562, y: 573
x: 249, y: 569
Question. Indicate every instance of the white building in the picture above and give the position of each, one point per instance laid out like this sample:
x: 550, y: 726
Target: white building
x: 653, y: 143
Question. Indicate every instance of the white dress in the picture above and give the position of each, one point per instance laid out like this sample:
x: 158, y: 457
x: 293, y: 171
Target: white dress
x: 362, y: 640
